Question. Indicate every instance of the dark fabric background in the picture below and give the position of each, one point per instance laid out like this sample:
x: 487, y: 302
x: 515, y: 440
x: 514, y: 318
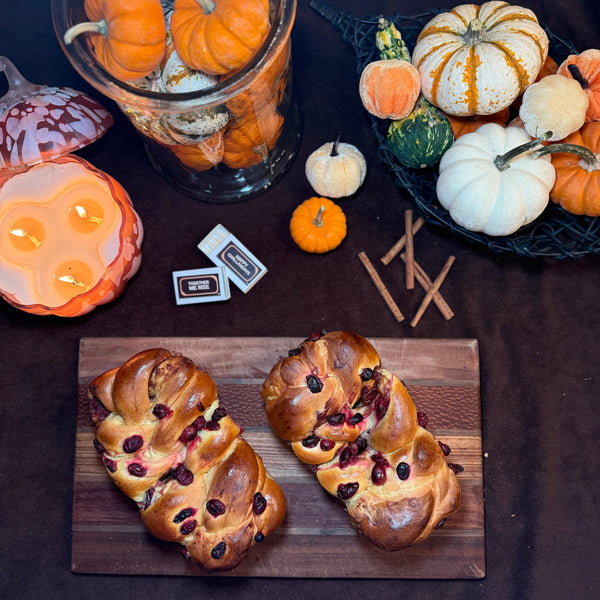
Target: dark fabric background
x: 537, y: 323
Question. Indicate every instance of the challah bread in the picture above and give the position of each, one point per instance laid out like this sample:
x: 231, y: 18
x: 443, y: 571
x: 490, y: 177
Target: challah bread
x: 169, y: 445
x: 359, y: 429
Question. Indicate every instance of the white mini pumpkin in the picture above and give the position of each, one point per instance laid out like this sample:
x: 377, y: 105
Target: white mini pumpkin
x: 336, y: 169
x: 476, y: 59
x: 487, y: 185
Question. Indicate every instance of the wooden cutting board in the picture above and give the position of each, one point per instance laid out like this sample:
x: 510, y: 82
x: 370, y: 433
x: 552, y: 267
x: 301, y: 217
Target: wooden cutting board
x: 316, y: 538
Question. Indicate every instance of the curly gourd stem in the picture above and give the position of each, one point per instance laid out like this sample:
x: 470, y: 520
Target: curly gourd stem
x: 334, y: 148
x: 502, y: 161
x: 591, y: 160
x: 577, y: 76
x: 318, y: 220
x: 207, y: 6
x: 100, y: 27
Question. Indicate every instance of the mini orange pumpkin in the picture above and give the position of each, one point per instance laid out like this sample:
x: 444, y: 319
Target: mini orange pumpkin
x: 318, y: 225
x: 218, y: 36
x: 577, y: 185
x: 201, y: 156
x: 129, y: 38
x: 585, y: 68
x: 389, y: 88
x: 248, y: 143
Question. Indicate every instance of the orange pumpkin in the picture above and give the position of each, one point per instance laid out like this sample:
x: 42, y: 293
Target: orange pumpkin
x: 389, y: 88
x: 248, y: 143
x: 577, y: 185
x: 585, y: 68
x: 202, y: 156
x: 73, y: 245
x: 218, y: 36
x: 462, y: 125
x: 318, y: 225
x: 129, y: 38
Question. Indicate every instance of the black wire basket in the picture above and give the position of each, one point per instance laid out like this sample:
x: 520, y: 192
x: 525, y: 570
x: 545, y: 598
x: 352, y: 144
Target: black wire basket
x: 556, y: 234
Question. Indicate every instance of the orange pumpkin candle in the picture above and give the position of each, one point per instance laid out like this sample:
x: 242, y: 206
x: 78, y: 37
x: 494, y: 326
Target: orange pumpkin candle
x: 69, y: 237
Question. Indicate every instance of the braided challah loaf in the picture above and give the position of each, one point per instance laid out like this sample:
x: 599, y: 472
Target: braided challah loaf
x: 357, y: 425
x: 168, y: 444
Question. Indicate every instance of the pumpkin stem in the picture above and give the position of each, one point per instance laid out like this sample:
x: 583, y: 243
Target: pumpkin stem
x: 318, y: 220
x: 474, y: 33
x: 207, y: 6
x: 591, y: 159
x: 577, y: 76
x: 100, y: 27
x: 502, y: 161
x: 334, y: 148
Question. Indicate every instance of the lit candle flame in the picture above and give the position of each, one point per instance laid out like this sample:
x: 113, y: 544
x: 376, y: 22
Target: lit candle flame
x: 73, y: 280
x: 23, y: 233
x: 83, y: 214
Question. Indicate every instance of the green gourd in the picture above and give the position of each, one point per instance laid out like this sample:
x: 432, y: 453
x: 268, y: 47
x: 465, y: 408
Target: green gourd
x: 420, y: 139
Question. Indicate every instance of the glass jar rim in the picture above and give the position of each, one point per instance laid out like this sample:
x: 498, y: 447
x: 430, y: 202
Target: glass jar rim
x: 79, y: 54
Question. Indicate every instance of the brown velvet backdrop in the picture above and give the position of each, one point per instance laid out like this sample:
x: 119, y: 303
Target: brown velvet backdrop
x: 537, y: 323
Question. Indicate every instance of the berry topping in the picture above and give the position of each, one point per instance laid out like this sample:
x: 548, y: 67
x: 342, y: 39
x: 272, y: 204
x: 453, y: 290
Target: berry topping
x: 184, y: 514
x: 259, y: 537
x: 259, y: 503
x: 133, y: 444
x: 326, y: 445
x: 188, y: 527
x: 347, y: 490
x: 98, y: 446
x: 355, y: 418
x: 212, y: 425
x: 188, y: 434
x: 218, y: 551
x: 423, y: 419
x: 311, y: 441
x: 215, y: 507
x: 137, y: 470
x: 183, y: 475
x: 378, y: 474
x: 199, y: 423
x: 160, y: 411
x: 336, y: 419
x: 403, y: 471
x: 445, y: 448
x: 456, y: 468
x: 111, y: 465
x: 219, y: 413
x: 366, y: 374
x: 314, y: 384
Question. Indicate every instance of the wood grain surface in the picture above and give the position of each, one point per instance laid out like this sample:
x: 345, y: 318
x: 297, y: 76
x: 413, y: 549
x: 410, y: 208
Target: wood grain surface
x: 316, y: 538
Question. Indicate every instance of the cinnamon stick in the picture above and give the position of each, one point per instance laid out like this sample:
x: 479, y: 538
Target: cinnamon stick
x: 395, y: 249
x: 381, y: 288
x: 432, y: 290
x: 425, y: 282
x: 410, y: 251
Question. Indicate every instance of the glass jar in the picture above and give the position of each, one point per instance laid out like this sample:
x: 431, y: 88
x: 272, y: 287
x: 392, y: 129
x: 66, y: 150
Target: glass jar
x: 223, y: 143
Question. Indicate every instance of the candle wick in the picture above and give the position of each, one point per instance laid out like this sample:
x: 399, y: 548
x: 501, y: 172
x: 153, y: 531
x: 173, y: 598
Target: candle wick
x: 83, y: 214
x: 23, y: 233
x: 71, y: 279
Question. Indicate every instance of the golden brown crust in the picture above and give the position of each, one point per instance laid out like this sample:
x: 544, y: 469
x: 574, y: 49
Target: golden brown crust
x: 360, y: 430
x: 169, y: 445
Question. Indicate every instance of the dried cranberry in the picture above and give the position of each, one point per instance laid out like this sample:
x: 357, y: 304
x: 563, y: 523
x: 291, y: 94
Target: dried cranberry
x: 361, y: 444
x: 259, y: 504
x: 380, y: 459
x: 215, y: 507
x: 311, y: 441
x: 314, y: 384
x: 212, y: 425
x: 200, y: 406
x: 199, y: 423
x: 347, y: 490
x: 345, y: 456
x: 423, y: 419
x: 403, y: 471
x: 98, y: 410
x: 219, y: 413
x: 188, y: 434
x: 440, y: 524
x: 111, y: 465
x: 259, y: 537
x: 355, y: 418
x: 378, y: 474
x: 294, y: 352
x: 184, y: 476
x: 148, y: 497
x: 188, y: 527
x: 133, y: 444
x: 317, y: 335
x: 218, y: 551
x: 366, y: 374
x: 160, y: 411
x: 368, y: 396
x: 98, y: 446
x: 184, y: 552
x: 456, y: 468
x: 381, y: 407
x: 137, y: 470
x: 326, y: 445
x: 184, y: 514
x: 336, y: 419
x: 445, y: 448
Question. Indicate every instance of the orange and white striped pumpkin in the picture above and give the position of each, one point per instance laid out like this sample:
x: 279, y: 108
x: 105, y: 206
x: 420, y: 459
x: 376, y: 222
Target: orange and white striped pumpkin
x: 476, y: 59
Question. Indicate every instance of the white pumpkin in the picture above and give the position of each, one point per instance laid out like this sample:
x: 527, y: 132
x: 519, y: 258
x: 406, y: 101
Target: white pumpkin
x: 555, y: 103
x: 476, y: 59
x: 336, y: 169
x: 485, y: 187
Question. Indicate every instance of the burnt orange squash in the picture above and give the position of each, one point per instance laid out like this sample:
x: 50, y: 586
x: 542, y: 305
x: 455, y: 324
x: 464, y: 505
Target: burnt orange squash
x: 585, y: 68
